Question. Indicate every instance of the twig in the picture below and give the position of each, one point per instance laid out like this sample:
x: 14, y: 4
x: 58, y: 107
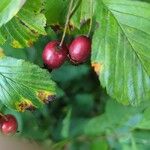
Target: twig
x: 67, y: 21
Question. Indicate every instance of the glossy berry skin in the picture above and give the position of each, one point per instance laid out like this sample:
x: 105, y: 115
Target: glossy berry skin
x: 10, y: 125
x: 80, y: 49
x: 53, y: 55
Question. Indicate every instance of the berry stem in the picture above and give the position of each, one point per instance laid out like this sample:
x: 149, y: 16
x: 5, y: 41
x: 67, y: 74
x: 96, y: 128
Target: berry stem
x: 75, y: 6
x: 67, y: 21
x: 91, y: 19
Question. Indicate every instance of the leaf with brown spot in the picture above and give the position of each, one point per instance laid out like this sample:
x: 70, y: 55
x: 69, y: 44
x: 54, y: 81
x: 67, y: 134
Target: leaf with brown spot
x: 45, y: 96
x: 121, y: 45
x: 24, y: 105
x: 97, y: 67
x: 24, y: 85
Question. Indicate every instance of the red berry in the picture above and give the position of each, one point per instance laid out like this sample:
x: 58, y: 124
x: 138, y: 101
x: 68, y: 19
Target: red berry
x: 54, y: 55
x: 80, y: 49
x: 10, y: 125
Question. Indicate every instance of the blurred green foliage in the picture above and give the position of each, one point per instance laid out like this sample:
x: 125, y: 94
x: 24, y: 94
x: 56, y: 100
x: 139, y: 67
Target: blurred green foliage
x: 81, y: 117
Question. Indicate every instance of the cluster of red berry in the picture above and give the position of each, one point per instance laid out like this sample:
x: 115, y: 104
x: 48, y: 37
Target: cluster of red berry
x: 8, y: 124
x: 78, y: 51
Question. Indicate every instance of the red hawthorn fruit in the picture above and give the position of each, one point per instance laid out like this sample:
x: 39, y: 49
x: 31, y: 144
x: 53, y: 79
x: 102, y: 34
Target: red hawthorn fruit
x: 80, y: 49
x: 9, y: 125
x: 54, y: 55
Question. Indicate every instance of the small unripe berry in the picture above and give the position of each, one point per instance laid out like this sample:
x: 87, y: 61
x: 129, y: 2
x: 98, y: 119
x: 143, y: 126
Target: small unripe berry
x: 9, y: 125
x: 80, y: 49
x: 54, y: 55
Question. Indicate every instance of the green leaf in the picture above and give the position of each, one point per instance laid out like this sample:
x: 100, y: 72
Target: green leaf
x: 26, y: 26
x: 142, y: 139
x: 24, y: 85
x: 8, y: 9
x: 55, y: 11
x: 117, y: 118
x: 83, y: 12
x: 115, y: 111
x: 32, y: 129
x: 99, y: 144
x: 121, y: 51
x: 97, y: 125
x: 145, y: 122
x: 32, y: 17
x: 66, y: 124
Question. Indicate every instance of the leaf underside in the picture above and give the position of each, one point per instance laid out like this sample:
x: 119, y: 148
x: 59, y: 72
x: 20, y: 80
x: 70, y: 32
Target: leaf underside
x: 121, y: 52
